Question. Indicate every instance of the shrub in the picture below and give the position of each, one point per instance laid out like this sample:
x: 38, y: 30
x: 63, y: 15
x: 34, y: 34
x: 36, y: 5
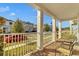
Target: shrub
x: 47, y: 27
x: 17, y: 27
x: 1, y: 45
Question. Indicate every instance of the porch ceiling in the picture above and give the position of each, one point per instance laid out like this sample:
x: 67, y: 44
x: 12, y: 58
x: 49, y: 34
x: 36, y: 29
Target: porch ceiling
x: 62, y: 11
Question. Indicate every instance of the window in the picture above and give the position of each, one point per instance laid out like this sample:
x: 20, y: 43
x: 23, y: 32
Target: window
x: 10, y: 23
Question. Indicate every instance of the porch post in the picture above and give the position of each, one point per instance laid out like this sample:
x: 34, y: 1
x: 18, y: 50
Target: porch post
x: 53, y: 29
x: 39, y: 29
x: 70, y: 27
x: 60, y: 29
x: 77, y: 30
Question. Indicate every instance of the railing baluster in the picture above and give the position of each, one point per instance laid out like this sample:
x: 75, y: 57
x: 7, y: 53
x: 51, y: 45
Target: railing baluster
x: 13, y: 43
x: 4, y: 45
x: 23, y: 43
x: 21, y: 46
x: 12, y: 54
x: 8, y: 44
x: 17, y: 44
x: 26, y: 45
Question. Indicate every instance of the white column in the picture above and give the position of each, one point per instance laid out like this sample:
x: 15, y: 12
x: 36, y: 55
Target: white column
x: 39, y: 29
x: 70, y: 26
x: 60, y: 29
x: 77, y: 30
x: 53, y: 29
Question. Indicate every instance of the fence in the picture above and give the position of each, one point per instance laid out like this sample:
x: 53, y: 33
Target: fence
x: 20, y: 44
x: 47, y: 37
x: 16, y: 44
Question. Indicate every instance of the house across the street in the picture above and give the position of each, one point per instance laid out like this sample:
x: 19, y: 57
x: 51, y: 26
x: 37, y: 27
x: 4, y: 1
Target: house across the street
x: 6, y: 27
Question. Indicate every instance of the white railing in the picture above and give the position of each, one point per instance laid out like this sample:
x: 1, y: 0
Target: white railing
x: 20, y: 44
x: 47, y: 37
x: 17, y: 44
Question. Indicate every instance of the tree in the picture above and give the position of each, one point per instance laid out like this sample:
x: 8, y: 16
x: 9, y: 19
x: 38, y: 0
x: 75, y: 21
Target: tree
x: 17, y: 27
x: 1, y: 45
x: 47, y: 27
x: 2, y: 22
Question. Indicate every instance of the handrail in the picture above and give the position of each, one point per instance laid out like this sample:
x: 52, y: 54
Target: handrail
x: 17, y: 45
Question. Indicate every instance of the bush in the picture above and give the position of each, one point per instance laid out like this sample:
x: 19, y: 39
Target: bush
x: 47, y: 27
x: 1, y: 45
x: 18, y: 27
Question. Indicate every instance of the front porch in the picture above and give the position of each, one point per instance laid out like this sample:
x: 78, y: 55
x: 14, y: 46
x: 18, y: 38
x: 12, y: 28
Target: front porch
x: 50, y: 51
x: 55, y: 48
x: 22, y: 44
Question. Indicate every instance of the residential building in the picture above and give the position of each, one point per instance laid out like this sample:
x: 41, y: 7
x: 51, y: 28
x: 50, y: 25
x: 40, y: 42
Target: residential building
x: 6, y: 27
x: 28, y: 27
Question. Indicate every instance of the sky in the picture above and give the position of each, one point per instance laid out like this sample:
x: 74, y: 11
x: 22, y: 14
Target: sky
x: 24, y: 12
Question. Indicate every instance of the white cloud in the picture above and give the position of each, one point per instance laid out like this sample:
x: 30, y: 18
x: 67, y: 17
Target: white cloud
x: 4, y: 9
x: 12, y: 14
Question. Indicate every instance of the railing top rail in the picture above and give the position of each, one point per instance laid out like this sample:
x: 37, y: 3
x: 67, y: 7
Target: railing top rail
x: 13, y: 33
x: 16, y: 33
